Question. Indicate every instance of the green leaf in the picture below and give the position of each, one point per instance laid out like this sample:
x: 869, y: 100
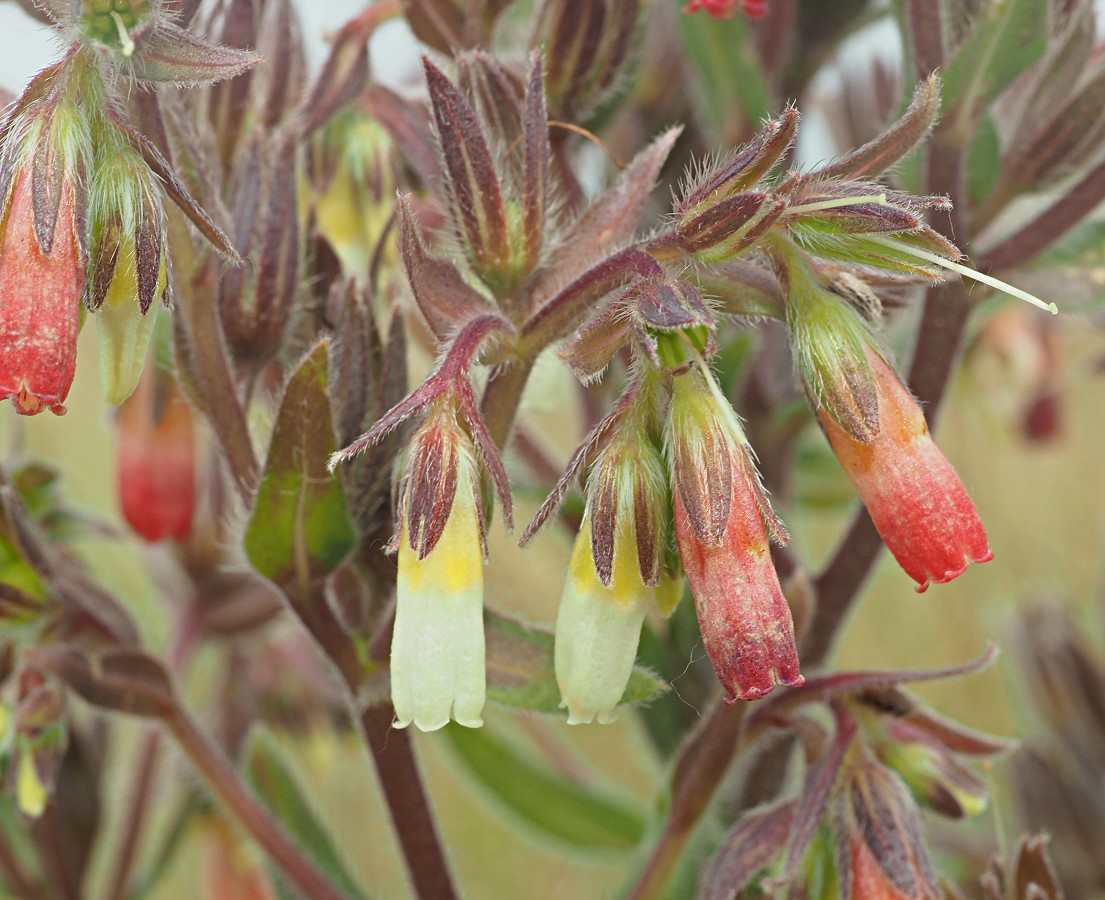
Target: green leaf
x: 1004, y: 40
x: 820, y: 482
x: 274, y: 784
x: 983, y: 160
x: 300, y: 529
x: 520, y: 668
x: 728, y: 76
x: 556, y: 806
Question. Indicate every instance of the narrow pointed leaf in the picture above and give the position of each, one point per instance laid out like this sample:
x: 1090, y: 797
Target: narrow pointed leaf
x: 170, y: 55
x: 536, y: 166
x: 609, y: 222
x: 445, y: 299
x: 343, y: 77
x: 473, y: 179
x: 555, y: 806
x: 755, y: 840
x: 879, y: 154
x: 273, y: 782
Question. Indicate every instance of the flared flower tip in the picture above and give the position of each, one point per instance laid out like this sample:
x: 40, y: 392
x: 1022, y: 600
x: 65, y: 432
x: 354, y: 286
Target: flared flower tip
x: 437, y: 649
x: 916, y: 499
x: 744, y: 617
x: 39, y: 303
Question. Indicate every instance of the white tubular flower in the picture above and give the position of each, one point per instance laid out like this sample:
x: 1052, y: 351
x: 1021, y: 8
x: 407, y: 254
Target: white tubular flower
x: 437, y: 650
x: 612, y: 578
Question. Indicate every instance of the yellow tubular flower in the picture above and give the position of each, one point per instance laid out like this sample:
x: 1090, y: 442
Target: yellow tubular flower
x: 437, y: 649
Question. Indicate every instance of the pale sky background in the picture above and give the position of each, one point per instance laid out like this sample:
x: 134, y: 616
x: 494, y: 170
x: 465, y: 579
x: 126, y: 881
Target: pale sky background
x: 26, y: 47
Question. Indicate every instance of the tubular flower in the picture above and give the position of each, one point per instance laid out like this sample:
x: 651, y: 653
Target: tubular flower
x: 723, y: 527
x: 725, y: 9
x: 156, y: 466
x: 40, y: 293
x: 437, y: 649
x: 43, y: 157
x: 128, y: 276
x: 612, y: 578
x: 915, y: 497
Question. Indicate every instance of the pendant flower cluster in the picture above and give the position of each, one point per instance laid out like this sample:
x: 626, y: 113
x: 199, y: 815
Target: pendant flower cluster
x: 670, y: 465
x: 82, y: 223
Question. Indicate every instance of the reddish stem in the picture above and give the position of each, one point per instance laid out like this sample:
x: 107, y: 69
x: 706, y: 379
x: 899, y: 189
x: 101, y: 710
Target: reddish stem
x: 224, y: 783
x: 410, y: 812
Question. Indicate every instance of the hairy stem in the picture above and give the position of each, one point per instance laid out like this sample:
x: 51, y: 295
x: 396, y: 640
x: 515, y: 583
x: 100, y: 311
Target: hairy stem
x: 410, y: 812
x: 501, y: 399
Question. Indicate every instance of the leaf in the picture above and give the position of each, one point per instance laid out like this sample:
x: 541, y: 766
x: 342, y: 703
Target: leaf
x: 520, y: 668
x: 1005, y: 39
x: 171, y: 55
x: 728, y: 77
x: 606, y: 225
x: 983, y: 160
x: 300, y: 529
x: 554, y: 805
x: 749, y: 846
x: 274, y: 784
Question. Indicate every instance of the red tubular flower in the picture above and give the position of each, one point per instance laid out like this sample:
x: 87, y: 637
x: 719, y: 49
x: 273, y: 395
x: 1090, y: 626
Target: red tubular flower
x: 725, y: 9
x: 915, y: 497
x: 723, y: 525
x: 40, y: 293
x: 156, y: 465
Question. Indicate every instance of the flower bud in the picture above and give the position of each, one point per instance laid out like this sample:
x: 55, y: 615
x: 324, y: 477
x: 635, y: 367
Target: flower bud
x: 880, y: 852
x: 43, y: 157
x: 255, y: 303
x: 129, y: 269
x: 437, y: 648
x: 935, y: 778
x: 612, y: 578
x: 357, y: 191
x: 914, y: 496
x: 723, y: 525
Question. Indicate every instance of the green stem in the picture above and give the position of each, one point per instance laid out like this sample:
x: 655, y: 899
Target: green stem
x: 502, y: 396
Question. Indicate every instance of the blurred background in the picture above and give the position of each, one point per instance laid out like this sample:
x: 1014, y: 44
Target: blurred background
x: 1023, y: 426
